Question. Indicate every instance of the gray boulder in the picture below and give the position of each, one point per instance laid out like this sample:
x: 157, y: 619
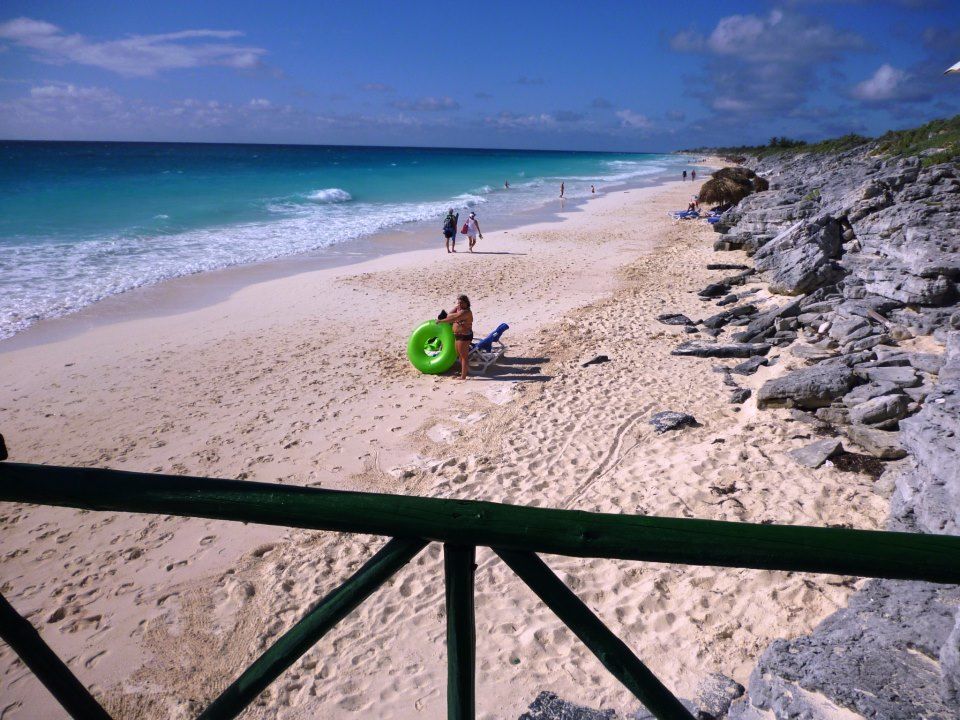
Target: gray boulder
x: 547, y: 706
x: 669, y: 420
x: 810, y: 388
x: 904, y: 377
x: 800, y: 259
x: 876, y: 658
x: 720, y: 350
x: 816, y: 454
x: 880, y: 409
x: 862, y: 393
x: 674, y: 319
x: 881, y: 444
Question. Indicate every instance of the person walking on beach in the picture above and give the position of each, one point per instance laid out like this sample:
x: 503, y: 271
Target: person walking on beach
x: 561, y: 190
x: 684, y: 175
x: 450, y: 230
x: 693, y: 175
x: 461, y: 317
x: 593, y: 190
x: 473, y: 229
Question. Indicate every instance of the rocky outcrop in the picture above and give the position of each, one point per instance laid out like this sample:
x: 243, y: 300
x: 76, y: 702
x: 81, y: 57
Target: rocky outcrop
x: 869, y: 250
x: 801, y: 258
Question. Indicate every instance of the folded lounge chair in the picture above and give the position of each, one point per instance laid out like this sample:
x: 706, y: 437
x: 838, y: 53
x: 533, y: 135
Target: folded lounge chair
x: 487, y: 351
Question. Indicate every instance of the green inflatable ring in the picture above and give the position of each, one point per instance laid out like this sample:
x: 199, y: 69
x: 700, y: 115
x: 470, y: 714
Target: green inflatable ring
x: 431, y: 348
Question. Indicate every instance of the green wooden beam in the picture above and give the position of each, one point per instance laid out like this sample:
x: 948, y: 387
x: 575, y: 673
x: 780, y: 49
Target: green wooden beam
x: 313, y: 626
x: 906, y: 556
x: 49, y: 669
x: 458, y: 567
x: 609, y: 649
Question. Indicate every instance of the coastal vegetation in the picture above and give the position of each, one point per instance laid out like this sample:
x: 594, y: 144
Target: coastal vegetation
x: 936, y: 141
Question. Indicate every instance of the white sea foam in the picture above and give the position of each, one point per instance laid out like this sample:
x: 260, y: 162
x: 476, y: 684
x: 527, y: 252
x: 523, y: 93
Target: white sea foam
x: 330, y: 195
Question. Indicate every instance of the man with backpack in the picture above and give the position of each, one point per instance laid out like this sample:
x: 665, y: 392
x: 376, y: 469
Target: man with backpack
x: 450, y: 230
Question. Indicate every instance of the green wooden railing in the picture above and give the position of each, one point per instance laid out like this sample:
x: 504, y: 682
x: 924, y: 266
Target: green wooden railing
x: 515, y: 533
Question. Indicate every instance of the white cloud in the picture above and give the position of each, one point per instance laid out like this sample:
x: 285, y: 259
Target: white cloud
x: 631, y: 119
x: 887, y: 83
x: 136, y: 55
x: 427, y: 104
x: 766, y: 64
x: 516, y: 120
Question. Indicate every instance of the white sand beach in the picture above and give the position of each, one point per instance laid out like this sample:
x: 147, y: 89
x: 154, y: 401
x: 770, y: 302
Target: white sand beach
x: 304, y: 380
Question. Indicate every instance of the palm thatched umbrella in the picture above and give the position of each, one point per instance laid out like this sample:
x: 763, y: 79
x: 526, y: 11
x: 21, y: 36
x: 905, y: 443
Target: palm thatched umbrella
x: 738, y: 174
x: 724, y: 191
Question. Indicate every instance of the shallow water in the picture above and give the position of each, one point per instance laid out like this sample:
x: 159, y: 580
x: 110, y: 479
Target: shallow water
x: 83, y: 221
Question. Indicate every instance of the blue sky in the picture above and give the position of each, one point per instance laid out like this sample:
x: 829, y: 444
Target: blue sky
x: 603, y: 75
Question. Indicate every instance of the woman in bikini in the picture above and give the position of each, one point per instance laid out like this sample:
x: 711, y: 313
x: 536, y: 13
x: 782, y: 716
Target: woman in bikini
x: 461, y: 317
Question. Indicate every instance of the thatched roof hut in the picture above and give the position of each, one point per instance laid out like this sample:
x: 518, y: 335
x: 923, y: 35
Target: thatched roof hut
x: 730, y: 185
x: 724, y: 191
x: 738, y: 174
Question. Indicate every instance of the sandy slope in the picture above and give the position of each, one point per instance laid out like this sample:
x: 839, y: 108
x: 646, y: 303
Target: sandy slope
x: 302, y: 380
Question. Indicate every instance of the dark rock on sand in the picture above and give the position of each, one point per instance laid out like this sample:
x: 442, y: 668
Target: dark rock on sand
x: 599, y: 359
x: 750, y: 366
x: 547, y: 706
x: 721, y: 350
x: 727, y: 266
x: 669, y: 420
x: 715, y: 693
x: 674, y: 319
x: 810, y: 388
x: 816, y: 454
x: 740, y: 395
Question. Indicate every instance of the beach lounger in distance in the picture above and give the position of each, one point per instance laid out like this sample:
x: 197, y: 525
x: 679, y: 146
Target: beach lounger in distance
x: 487, y: 351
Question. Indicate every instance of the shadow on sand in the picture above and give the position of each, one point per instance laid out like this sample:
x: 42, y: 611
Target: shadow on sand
x: 487, y: 252
x: 515, y: 369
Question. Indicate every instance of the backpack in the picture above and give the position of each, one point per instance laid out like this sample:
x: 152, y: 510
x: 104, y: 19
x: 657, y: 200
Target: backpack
x: 449, y: 222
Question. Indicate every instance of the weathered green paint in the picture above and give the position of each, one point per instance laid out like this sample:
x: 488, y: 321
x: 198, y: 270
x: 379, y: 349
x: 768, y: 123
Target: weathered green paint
x: 49, y: 669
x: 560, y: 532
x: 458, y: 569
x: 313, y: 626
x: 609, y: 649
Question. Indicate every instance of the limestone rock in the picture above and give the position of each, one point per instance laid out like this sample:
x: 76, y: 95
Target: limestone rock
x: 809, y: 388
x: 669, y: 420
x: 720, y: 350
x: 816, y: 454
x: 881, y: 444
x: 878, y: 409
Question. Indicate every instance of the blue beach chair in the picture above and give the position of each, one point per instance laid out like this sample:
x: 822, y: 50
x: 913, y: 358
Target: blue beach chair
x: 486, y: 352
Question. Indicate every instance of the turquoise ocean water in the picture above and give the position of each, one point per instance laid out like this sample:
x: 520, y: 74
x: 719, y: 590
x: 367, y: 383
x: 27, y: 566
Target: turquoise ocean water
x: 82, y: 221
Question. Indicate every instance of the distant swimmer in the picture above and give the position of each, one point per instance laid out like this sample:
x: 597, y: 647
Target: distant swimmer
x: 506, y: 184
